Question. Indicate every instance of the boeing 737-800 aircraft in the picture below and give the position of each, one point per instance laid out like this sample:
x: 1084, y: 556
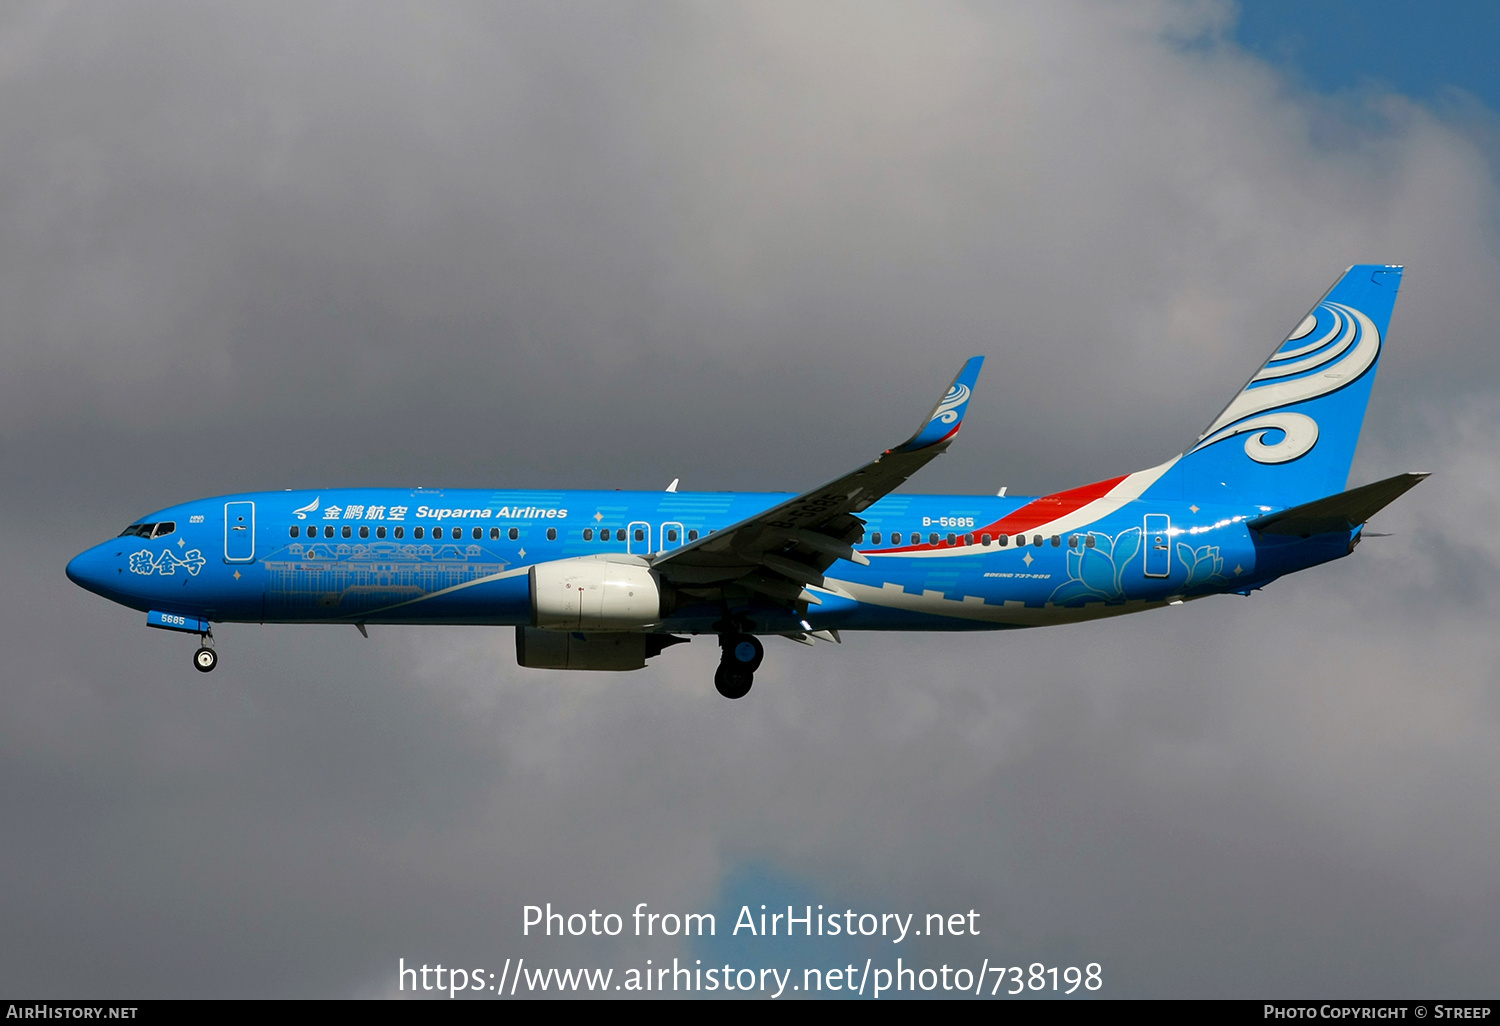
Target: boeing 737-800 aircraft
x: 606, y: 580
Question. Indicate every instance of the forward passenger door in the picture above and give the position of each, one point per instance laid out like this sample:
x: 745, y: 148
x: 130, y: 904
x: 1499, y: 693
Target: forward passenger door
x: 239, y: 532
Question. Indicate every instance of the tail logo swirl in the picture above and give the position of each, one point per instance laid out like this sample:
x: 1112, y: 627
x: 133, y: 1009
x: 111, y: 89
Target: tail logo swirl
x: 1297, y: 372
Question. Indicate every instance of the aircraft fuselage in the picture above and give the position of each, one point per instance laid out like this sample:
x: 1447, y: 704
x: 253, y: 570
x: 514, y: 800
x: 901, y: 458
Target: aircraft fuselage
x: 936, y: 562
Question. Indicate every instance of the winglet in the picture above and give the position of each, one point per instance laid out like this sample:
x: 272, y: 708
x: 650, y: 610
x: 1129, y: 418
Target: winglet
x: 948, y: 415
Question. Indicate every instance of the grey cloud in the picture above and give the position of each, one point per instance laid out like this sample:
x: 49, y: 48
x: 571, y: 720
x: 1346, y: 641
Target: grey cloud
x: 607, y: 245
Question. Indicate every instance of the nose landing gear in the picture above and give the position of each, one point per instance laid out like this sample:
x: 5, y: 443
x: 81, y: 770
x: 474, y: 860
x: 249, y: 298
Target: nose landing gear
x: 740, y: 657
x: 205, y: 659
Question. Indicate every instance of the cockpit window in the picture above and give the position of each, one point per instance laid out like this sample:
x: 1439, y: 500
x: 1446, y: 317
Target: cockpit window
x: 160, y: 530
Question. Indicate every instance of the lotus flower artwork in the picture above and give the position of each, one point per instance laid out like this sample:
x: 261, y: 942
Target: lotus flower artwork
x: 1098, y: 574
x: 1204, y: 565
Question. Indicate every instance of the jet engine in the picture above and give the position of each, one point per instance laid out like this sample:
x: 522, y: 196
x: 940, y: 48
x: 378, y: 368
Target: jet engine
x: 594, y: 593
x: 574, y: 650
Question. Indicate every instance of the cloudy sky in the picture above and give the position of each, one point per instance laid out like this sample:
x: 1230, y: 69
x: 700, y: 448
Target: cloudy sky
x: 610, y: 244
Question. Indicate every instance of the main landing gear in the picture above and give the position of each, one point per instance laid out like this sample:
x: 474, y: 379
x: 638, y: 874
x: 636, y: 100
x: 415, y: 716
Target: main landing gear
x: 740, y: 656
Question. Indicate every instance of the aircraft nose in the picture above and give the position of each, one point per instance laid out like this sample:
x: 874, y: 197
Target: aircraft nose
x: 88, y: 570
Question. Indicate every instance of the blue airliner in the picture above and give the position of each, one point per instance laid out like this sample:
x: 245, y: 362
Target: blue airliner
x: 605, y: 580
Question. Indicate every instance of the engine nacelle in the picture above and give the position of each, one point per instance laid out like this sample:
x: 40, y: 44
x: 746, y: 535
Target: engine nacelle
x: 572, y: 650
x: 594, y: 593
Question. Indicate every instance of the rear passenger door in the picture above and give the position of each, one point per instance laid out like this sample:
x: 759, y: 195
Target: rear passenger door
x: 1158, y: 545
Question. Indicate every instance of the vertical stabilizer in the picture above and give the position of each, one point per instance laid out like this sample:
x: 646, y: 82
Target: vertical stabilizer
x: 1290, y: 433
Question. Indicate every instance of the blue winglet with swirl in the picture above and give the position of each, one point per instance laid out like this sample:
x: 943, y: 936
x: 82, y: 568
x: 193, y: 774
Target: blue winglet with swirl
x: 948, y: 415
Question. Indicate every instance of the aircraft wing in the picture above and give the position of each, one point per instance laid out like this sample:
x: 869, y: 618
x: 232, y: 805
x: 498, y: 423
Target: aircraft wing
x: 780, y: 551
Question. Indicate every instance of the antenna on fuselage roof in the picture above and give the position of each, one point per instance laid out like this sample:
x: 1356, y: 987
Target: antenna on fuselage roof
x: 1001, y: 493
x: 673, y: 486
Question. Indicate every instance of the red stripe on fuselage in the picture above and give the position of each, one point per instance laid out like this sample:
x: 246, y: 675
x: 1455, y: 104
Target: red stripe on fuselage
x: 1050, y: 507
x: 1035, y: 513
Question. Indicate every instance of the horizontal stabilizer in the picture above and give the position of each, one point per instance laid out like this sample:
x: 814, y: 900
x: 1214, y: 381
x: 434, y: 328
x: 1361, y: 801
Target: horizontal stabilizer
x: 1342, y: 512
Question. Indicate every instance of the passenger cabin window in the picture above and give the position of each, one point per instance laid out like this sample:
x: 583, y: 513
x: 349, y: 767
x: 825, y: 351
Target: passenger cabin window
x: 1036, y: 540
x: 364, y: 532
x: 952, y: 539
x: 552, y: 534
x: 1056, y: 541
x: 400, y: 532
x: 588, y: 534
x: 640, y: 535
x: 348, y: 530
x: 672, y: 534
x: 875, y: 538
x: 416, y: 532
x: 380, y: 532
x: 1072, y: 541
x: 692, y: 536
x: 1088, y: 542
x: 437, y: 532
x: 296, y: 530
x: 478, y: 533
x: 932, y: 539
x: 1004, y: 540
x: 515, y: 533
x: 327, y: 531
x: 895, y: 537
x: 984, y: 539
